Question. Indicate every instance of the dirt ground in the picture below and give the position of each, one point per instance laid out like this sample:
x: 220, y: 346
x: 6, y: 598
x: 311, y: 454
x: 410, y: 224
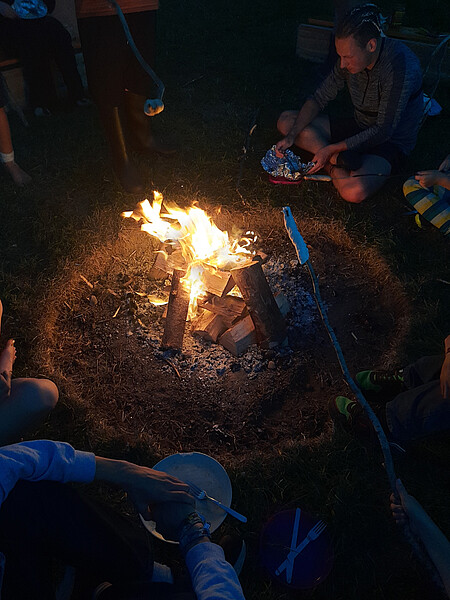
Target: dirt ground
x: 101, y: 347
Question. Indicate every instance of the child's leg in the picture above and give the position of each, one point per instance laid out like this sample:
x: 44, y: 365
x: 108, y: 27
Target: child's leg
x: 428, y: 202
x: 28, y: 404
x: 7, y: 153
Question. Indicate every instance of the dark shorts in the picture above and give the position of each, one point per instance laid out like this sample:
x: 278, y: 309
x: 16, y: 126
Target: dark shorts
x: 342, y: 128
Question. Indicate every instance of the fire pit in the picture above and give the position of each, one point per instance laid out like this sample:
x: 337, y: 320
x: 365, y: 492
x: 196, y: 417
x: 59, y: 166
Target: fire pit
x: 217, y: 282
x: 102, y: 339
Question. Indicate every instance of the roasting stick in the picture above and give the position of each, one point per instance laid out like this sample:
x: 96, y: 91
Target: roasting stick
x: 303, y: 256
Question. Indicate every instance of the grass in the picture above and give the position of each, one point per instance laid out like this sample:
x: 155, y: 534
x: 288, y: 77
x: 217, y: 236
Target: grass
x: 246, y: 55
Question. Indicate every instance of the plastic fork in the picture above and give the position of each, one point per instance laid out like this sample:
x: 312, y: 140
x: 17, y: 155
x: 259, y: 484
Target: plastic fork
x: 200, y: 494
x: 312, y: 535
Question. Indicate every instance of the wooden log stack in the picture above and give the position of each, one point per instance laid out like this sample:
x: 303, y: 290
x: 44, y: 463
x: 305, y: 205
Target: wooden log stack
x: 232, y: 321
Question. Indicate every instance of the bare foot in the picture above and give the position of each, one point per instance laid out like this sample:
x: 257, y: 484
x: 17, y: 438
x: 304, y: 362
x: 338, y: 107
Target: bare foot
x: 18, y: 175
x: 7, y: 357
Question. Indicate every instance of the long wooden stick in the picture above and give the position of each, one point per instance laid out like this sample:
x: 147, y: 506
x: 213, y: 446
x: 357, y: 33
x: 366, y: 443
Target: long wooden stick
x: 303, y: 257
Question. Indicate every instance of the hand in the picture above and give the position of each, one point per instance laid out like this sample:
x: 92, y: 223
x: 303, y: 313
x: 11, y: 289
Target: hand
x: 445, y: 164
x: 1, y: 315
x: 428, y: 178
x: 7, y: 11
x: 283, y: 145
x: 445, y: 377
x: 409, y: 510
x: 321, y: 158
x: 169, y: 517
x: 147, y: 487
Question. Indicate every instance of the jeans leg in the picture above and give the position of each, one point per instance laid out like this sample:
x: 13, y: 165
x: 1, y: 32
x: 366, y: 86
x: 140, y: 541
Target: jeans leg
x: 418, y: 412
x: 47, y: 520
x: 424, y: 370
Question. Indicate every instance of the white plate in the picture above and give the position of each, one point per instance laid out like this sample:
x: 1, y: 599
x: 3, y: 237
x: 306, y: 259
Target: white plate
x: 205, y: 472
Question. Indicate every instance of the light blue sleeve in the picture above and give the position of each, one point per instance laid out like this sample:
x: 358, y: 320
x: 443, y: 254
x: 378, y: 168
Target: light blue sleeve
x: 43, y: 459
x: 213, y: 578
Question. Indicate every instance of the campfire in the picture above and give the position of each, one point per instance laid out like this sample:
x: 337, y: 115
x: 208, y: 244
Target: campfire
x: 217, y: 282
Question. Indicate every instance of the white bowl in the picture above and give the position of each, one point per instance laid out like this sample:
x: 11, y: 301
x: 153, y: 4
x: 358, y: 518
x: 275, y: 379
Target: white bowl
x: 208, y: 474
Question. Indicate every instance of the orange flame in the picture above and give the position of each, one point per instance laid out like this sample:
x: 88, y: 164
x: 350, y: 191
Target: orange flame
x: 203, y: 245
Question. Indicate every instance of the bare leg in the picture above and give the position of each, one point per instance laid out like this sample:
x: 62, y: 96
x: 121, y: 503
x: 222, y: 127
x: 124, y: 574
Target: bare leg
x: 28, y: 404
x: 356, y: 189
x: 18, y: 175
x: 312, y: 138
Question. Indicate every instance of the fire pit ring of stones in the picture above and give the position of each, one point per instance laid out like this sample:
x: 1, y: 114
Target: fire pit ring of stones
x: 102, y: 337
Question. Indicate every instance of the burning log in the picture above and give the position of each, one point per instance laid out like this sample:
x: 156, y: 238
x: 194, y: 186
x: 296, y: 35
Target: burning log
x: 177, y: 311
x: 166, y: 263
x: 230, y: 308
x: 269, y: 323
x: 239, y: 337
x: 208, y: 326
x: 218, y: 283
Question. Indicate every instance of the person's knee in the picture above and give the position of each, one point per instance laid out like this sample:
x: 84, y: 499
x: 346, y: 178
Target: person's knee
x: 286, y: 121
x: 355, y: 193
x: 49, y: 394
x: 44, y: 394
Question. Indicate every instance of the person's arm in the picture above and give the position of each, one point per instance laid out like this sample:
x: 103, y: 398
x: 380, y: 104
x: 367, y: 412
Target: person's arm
x: 213, y: 578
x: 58, y: 461
x: 306, y: 115
x: 445, y: 371
x: 429, y: 178
x: 325, y: 93
x: 144, y: 486
x: 445, y: 164
x: 396, y: 91
x: 43, y: 460
x: 435, y: 542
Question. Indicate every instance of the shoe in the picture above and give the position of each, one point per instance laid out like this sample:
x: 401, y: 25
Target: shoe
x: 124, y: 169
x: 349, y: 160
x: 377, y: 381
x: 351, y: 417
x: 235, y: 551
x: 138, y: 124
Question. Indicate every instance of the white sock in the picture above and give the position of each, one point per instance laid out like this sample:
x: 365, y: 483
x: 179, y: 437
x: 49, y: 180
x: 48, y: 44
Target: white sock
x: 162, y: 573
x: 7, y: 158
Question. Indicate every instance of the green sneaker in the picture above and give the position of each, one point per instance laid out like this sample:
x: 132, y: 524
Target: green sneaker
x: 378, y: 381
x: 351, y: 416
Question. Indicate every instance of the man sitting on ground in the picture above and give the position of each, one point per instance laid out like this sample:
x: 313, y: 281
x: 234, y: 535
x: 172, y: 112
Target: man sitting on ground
x: 385, y: 83
x: 24, y: 402
x: 420, y: 407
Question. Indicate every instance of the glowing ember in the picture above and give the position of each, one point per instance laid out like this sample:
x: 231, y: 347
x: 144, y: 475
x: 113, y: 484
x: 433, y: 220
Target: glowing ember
x: 204, y: 247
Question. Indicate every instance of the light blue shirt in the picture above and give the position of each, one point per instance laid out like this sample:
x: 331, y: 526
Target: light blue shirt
x: 213, y: 578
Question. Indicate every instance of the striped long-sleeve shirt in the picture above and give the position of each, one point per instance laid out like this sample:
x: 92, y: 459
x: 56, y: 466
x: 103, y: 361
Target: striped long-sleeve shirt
x: 387, y: 99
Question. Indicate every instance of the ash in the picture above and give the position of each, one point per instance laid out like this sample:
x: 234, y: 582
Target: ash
x: 209, y: 362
